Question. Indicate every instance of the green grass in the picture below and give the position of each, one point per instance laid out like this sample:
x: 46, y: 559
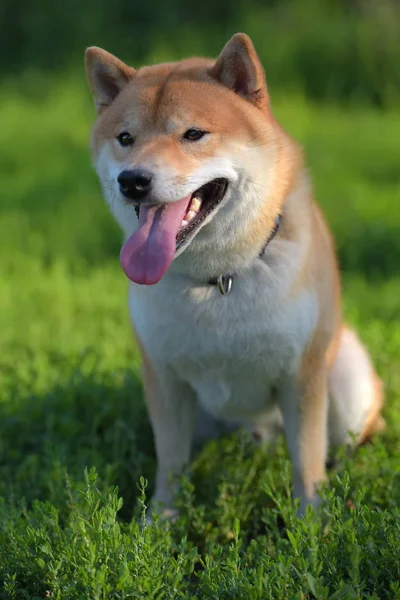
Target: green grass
x: 71, y: 399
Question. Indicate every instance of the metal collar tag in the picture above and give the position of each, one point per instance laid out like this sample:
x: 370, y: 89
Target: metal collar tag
x: 224, y: 282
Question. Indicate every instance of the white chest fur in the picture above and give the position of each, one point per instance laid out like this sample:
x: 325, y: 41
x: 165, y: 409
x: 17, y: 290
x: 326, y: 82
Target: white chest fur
x: 230, y: 349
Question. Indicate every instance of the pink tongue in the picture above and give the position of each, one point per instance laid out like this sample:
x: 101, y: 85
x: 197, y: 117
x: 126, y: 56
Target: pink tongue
x: 147, y: 254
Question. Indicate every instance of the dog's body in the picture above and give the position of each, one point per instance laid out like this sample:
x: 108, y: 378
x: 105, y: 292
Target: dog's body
x: 277, y: 339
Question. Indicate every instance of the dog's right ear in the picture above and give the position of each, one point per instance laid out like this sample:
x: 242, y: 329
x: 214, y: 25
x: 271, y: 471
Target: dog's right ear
x: 107, y: 76
x: 239, y: 69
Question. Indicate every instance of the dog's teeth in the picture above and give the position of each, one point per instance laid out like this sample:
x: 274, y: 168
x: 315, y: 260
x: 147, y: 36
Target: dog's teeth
x: 194, y: 208
x: 195, y: 204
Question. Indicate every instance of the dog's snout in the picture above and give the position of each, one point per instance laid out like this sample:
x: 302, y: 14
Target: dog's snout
x: 135, y: 183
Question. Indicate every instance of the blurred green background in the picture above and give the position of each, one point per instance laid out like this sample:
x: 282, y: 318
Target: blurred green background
x: 341, y: 49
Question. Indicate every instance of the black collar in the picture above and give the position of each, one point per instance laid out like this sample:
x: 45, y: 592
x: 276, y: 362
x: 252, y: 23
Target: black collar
x: 224, y: 282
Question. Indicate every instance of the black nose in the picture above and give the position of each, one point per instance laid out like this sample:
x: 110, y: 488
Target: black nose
x: 135, y: 183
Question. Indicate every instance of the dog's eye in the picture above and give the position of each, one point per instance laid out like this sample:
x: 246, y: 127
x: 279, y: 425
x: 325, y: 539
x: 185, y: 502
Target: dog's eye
x: 125, y: 139
x: 193, y: 134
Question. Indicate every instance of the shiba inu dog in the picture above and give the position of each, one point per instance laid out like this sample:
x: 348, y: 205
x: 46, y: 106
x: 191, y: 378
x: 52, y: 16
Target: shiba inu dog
x: 234, y: 290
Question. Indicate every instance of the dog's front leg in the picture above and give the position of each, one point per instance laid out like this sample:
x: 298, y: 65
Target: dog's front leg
x: 304, y: 406
x: 172, y: 406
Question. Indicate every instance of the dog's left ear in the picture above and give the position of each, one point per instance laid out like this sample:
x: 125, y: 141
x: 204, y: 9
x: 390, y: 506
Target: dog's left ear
x: 239, y: 69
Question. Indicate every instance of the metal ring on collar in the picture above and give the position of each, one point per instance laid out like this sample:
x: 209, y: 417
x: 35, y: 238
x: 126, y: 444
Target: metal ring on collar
x: 224, y: 283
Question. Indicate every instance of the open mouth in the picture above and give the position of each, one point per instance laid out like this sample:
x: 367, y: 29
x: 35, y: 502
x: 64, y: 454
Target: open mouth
x: 163, y: 228
x: 202, y: 202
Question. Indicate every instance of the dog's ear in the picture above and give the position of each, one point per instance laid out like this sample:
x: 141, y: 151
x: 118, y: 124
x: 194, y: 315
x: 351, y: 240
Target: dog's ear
x: 107, y: 76
x: 239, y: 69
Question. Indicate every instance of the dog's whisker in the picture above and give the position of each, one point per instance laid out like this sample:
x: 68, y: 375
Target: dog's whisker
x: 252, y: 182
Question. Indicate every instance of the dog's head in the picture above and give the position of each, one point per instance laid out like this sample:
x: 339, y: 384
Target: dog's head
x: 187, y: 155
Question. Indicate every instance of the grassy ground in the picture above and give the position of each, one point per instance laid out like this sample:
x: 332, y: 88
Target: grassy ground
x: 70, y: 392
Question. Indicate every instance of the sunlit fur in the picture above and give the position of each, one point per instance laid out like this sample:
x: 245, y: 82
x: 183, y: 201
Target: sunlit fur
x: 277, y: 340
